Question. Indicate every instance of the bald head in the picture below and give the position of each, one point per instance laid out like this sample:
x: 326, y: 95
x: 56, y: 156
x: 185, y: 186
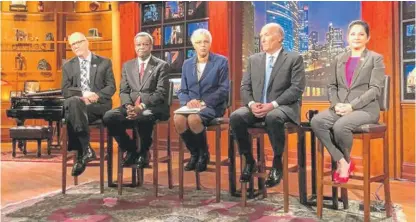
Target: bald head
x: 79, y: 44
x: 271, y: 37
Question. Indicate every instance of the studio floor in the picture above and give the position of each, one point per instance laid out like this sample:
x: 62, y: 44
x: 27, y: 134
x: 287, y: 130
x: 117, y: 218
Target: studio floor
x: 24, y: 180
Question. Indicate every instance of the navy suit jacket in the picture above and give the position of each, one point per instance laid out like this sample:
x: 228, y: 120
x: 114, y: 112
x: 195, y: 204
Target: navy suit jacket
x: 213, y: 86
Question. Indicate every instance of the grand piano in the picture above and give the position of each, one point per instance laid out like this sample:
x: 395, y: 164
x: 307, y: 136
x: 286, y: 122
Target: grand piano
x: 47, y: 105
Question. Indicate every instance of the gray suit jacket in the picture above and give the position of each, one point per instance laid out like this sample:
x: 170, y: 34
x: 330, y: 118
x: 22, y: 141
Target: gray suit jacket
x: 366, y: 83
x: 101, y: 78
x: 286, y: 84
x: 153, y: 89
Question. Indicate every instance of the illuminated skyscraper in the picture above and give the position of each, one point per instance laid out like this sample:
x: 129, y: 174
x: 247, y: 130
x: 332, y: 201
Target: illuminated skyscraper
x: 286, y: 14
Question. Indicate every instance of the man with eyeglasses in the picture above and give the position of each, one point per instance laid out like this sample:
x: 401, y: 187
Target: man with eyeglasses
x: 204, y: 85
x: 144, y: 99
x: 87, y: 85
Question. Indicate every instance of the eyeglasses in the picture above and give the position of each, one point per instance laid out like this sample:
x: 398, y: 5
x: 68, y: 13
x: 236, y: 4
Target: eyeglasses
x: 201, y: 42
x: 142, y: 44
x: 77, y: 43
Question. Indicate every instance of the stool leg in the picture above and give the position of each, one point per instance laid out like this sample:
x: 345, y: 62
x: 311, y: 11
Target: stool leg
x: 243, y: 185
x: 119, y: 171
x: 198, y: 180
x: 386, y: 181
x: 102, y: 157
x: 180, y: 169
x: 286, y: 174
x: 319, y: 178
x: 39, y: 153
x: 218, y: 163
x: 366, y: 163
x: 170, y: 183
x: 344, y: 197
x: 64, y: 158
x: 334, y: 189
x: 14, y: 147
x: 262, y: 164
x: 155, y: 161
x: 109, y: 160
x: 133, y: 170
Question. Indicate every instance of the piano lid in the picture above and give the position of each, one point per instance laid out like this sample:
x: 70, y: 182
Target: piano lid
x: 53, y: 92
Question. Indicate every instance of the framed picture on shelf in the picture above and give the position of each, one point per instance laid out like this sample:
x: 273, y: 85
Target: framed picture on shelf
x: 174, y: 11
x: 408, y: 81
x: 157, y: 54
x: 175, y: 58
x: 196, y: 10
x: 176, y: 86
x: 408, y: 10
x: 194, y: 26
x: 173, y: 36
x: 151, y: 13
x: 156, y: 33
x: 190, y: 53
x: 408, y: 40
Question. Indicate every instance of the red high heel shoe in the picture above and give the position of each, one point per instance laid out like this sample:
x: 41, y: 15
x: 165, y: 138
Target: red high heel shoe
x: 345, y: 179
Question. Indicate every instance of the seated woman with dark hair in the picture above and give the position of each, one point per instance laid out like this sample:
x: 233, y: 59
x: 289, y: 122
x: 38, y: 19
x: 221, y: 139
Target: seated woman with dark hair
x: 356, y: 81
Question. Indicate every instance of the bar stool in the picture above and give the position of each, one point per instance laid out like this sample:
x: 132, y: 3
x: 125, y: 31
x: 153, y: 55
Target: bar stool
x: 365, y: 133
x: 65, y: 157
x: 258, y: 131
x: 217, y: 125
x: 155, y: 159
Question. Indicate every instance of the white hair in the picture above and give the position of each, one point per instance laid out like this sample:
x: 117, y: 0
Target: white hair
x: 279, y: 27
x: 201, y: 32
x: 142, y: 34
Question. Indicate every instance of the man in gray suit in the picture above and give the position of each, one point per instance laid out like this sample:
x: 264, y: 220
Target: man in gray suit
x: 144, y: 99
x: 271, y: 91
x: 87, y: 85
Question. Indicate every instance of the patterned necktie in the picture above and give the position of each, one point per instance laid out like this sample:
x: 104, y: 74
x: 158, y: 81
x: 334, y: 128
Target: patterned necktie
x: 85, y: 86
x: 141, y: 70
x: 269, y: 68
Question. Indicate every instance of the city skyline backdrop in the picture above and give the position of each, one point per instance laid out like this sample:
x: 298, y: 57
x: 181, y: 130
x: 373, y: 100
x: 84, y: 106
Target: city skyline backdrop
x: 316, y: 30
x: 321, y: 14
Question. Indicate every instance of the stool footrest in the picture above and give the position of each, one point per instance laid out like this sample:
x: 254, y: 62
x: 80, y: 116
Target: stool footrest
x: 344, y: 185
x: 164, y: 159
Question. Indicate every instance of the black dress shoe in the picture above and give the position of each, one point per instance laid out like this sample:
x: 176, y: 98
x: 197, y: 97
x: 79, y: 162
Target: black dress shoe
x: 248, y: 171
x: 78, y: 168
x: 202, y: 163
x: 89, y: 155
x: 191, y: 165
x: 130, y: 159
x: 274, y: 177
x: 143, y: 161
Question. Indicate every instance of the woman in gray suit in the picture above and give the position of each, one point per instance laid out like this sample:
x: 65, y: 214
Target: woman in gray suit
x: 355, y: 85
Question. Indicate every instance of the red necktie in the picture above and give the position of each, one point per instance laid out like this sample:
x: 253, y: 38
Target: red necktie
x: 141, y: 71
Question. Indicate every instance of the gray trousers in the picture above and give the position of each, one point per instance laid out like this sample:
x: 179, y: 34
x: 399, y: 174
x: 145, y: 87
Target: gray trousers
x: 335, y: 132
x: 117, y: 124
x: 243, y: 118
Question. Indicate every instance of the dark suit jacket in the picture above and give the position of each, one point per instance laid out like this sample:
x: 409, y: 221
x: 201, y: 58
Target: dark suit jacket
x: 213, y: 86
x: 101, y: 78
x: 286, y: 83
x: 366, y: 83
x: 153, y: 89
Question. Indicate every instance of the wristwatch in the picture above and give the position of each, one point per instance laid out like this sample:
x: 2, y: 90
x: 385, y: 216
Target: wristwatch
x: 202, y: 103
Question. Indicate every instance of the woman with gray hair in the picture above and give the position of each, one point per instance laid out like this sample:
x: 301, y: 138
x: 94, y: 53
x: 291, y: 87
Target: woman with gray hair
x: 204, y: 85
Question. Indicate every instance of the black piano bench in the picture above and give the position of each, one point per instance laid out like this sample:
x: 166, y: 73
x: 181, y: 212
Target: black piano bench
x: 31, y: 133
